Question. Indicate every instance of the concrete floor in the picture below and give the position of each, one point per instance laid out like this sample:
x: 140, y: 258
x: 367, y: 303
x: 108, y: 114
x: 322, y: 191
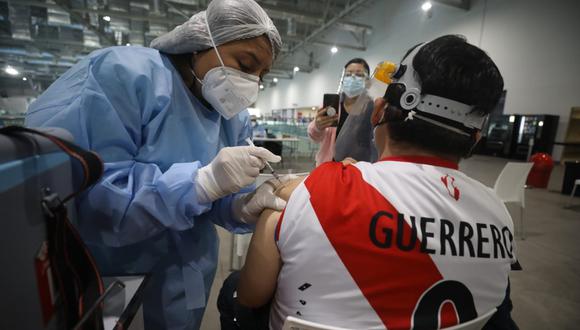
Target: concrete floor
x: 546, y: 294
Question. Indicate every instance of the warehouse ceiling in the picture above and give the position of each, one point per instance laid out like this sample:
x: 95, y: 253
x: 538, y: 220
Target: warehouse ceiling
x: 41, y: 39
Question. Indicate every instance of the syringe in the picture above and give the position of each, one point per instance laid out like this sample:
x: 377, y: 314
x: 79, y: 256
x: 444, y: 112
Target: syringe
x: 249, y: 141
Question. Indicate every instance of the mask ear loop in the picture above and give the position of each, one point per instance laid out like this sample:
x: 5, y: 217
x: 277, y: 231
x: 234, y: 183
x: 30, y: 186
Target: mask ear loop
x: 193, y: 71
x: 472, y: 149
x: 382, y: 121
x: 474, y: 146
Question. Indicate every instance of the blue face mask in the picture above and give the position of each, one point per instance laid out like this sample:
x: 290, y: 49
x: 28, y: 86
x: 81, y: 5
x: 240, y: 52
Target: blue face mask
x: 353, y: 86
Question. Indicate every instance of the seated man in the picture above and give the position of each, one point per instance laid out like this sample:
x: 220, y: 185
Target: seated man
x: 407, y: 242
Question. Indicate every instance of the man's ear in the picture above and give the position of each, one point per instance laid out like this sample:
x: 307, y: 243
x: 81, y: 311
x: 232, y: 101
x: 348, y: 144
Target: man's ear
x: 378, y: 111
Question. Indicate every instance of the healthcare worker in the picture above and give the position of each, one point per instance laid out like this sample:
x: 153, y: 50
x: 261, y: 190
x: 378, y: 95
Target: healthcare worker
x: 169, y: 123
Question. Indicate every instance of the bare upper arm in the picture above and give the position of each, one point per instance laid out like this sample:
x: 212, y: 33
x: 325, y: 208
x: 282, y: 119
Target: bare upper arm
x: 259, y: 275
x: 260, y: 272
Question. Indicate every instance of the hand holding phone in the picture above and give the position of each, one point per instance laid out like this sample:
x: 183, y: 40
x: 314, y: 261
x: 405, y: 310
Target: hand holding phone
x: 328, y: 115
x: 323, y: 121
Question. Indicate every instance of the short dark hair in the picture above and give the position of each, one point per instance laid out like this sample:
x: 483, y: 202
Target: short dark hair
x: 452, y: 68
x: 358, y: 60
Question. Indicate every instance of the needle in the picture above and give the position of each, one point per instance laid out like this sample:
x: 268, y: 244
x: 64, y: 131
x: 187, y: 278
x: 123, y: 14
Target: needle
x: 267, y: 164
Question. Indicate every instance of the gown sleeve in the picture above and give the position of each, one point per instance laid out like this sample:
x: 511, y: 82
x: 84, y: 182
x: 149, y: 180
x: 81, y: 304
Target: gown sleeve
x: 221, y: 212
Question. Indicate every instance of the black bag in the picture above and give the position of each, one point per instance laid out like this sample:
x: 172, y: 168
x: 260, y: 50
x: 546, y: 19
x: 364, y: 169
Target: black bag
x: 74, y: 269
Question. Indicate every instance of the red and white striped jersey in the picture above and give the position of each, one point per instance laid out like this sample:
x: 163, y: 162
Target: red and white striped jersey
x: 407, y: 242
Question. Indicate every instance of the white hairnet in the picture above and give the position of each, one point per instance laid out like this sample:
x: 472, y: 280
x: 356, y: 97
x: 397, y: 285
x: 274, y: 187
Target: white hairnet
x: 229, y: 20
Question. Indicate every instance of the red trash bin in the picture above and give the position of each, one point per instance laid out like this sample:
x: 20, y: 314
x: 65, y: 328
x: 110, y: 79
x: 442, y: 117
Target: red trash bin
x: 540, y: 173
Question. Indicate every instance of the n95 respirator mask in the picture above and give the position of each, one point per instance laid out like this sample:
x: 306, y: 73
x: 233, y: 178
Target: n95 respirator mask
x: 229, y: 91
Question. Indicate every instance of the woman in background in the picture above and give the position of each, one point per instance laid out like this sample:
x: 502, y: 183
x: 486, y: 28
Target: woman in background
x: 356, y: 141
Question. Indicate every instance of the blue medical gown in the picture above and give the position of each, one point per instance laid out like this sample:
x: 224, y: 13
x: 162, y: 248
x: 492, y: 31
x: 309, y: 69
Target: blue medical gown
x: 131, y: 106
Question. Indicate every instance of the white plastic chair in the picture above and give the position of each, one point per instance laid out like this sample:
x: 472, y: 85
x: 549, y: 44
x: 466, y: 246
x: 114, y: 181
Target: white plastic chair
x: 510, y: 187
x: 293, y: 323
x: 576, y: 184
x: 475, y: 324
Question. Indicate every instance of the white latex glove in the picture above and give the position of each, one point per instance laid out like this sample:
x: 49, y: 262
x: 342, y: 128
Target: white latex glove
x: 232, y: 169
x: 248, y: 207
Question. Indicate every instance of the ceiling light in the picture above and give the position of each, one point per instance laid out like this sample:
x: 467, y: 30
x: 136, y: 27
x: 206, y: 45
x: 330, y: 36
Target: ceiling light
x: 426, y: 5
x: 261, y: 86
x: 296, y: 69
x: 107, y: 18
x: 512, y: 119
x: 128, y: 44
x: 541, y: 123
x: 11, y: 71
x: 275, y: 80
x: 24, y: 79
x: 313, y: 108
x: 334, y: 50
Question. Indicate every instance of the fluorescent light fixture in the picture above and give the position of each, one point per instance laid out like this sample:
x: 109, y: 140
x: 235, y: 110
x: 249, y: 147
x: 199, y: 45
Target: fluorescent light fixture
x: 512, y: 119
x: 107, y: 18
x: 296, y: 69
x: 426, y: 5
x: 334, y: 50
x: 11, y: 71
x: 541, y: 123
x: 275, y: 80
x: 24, y: 79
x: 261, y: 86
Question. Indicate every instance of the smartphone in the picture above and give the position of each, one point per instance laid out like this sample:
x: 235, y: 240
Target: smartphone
x: 331, y: 100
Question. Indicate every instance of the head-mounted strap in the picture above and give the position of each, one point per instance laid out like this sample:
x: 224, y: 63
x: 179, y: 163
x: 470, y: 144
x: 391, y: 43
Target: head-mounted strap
x: 452, y: 110
x: 406, y: 93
